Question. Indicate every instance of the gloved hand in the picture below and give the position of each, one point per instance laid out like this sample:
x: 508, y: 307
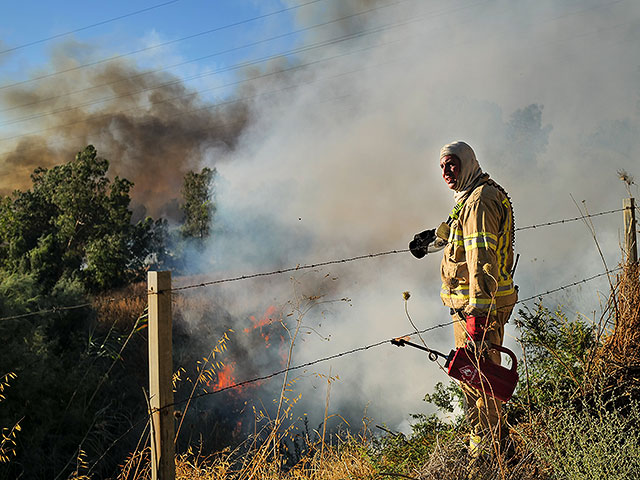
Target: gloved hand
x: 476, y: 332
x: 418, y: 246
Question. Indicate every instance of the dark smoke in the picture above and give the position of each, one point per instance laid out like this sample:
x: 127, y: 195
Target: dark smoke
x: 149, y: 124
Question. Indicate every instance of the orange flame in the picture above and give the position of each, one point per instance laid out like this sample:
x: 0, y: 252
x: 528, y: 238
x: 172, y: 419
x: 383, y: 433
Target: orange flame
x: 264, y: 321
x: 226, y: 377
x: 267, y: 319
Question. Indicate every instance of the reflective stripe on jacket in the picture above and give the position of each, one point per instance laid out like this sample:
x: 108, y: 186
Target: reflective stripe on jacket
x: 477, y: 262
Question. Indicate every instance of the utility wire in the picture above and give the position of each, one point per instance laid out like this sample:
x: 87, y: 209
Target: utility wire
x: 263, y: 41
x: 35, y: 116
x: 232, y: 67
x: 158, y: 45
x: 219, y: 104
x: 302, y: 49
x: 186, y: 62
x: 35, y: 42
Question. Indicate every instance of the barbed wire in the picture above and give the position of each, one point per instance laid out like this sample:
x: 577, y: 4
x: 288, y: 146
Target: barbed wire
x: 286, y: 270
x: 381, y: 342
x: 303, y: 267
x: 148, y: 416
x: 50, y: 310
x: 360, y: 257
x: 548, y: 292
x: 567, y: 220
x: 308, y: 364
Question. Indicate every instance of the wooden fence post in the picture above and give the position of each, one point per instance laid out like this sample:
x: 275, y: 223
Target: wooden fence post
x: 630, y: 244
x: 163, y: 465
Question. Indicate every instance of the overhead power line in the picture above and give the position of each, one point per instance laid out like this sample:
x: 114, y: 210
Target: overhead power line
x: 413, y: 19
x: 71, y: 32
x: 237, y: 66
x: 158, y: 45
x: 302, y: 49
x: 205, y: 57
x: 227, y: 102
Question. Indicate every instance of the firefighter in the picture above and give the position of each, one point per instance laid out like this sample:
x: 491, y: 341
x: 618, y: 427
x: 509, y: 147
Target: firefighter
x: 476, y: 277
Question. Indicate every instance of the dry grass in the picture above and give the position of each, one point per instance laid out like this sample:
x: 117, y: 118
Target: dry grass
x: 121, y: 308
x: 345, y: 461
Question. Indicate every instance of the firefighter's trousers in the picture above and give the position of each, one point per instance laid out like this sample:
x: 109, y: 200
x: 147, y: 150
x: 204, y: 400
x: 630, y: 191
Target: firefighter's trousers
x: 483, y: 411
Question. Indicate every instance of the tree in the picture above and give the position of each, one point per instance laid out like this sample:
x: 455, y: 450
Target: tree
x: 198, y: 207
x: 69, y: 234
x: 75, y: 223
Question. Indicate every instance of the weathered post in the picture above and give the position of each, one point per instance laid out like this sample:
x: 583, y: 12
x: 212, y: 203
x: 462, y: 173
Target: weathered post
x: 163, y: 465
x: 630, y: 244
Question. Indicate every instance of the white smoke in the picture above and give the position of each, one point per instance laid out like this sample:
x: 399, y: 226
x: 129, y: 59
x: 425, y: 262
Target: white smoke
x: 347, y: 164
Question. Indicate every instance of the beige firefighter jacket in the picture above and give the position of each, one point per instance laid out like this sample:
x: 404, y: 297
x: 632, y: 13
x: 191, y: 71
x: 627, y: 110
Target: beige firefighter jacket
x: 478, y: 258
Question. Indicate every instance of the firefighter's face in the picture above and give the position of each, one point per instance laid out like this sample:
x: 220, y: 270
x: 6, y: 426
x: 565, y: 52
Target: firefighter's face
x: 450, y: 166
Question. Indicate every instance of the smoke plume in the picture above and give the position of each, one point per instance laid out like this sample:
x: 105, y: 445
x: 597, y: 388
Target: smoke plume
x: 149, y: 124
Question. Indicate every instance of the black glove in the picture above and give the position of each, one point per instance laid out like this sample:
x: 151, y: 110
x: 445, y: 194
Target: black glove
x: 418, y: 246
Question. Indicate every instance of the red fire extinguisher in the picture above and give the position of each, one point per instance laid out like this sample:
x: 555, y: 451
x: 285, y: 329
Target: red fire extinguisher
x: 495, y: 380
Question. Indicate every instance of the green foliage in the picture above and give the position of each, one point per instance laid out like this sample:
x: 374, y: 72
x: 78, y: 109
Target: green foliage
x: 61, y: 397
x: 8, y: 434
x: 447, y: 398
x: 198, y: 206
x: 558, y: 351
x: 75, y: 223
x: 591, y: 442
x: 397, y: 453
x: 70, y: 234
x: 568, y: 425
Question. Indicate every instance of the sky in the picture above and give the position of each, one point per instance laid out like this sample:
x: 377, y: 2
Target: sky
x: 324, y: 120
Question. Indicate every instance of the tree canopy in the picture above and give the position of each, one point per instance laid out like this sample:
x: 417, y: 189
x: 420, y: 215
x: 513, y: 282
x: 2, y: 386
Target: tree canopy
x: 198, y: 207
x: 75, y: 223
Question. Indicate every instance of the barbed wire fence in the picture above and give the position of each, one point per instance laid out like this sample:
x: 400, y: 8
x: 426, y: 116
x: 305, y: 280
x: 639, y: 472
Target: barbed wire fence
x: 62, y: 308
x: 386, y: 341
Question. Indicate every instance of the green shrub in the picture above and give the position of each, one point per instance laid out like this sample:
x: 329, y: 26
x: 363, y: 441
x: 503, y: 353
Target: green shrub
x: 592, y: 442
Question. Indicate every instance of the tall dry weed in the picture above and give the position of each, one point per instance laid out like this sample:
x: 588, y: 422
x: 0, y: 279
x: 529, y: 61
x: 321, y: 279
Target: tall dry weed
x: 121, y: 308
x: 623, y: 346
